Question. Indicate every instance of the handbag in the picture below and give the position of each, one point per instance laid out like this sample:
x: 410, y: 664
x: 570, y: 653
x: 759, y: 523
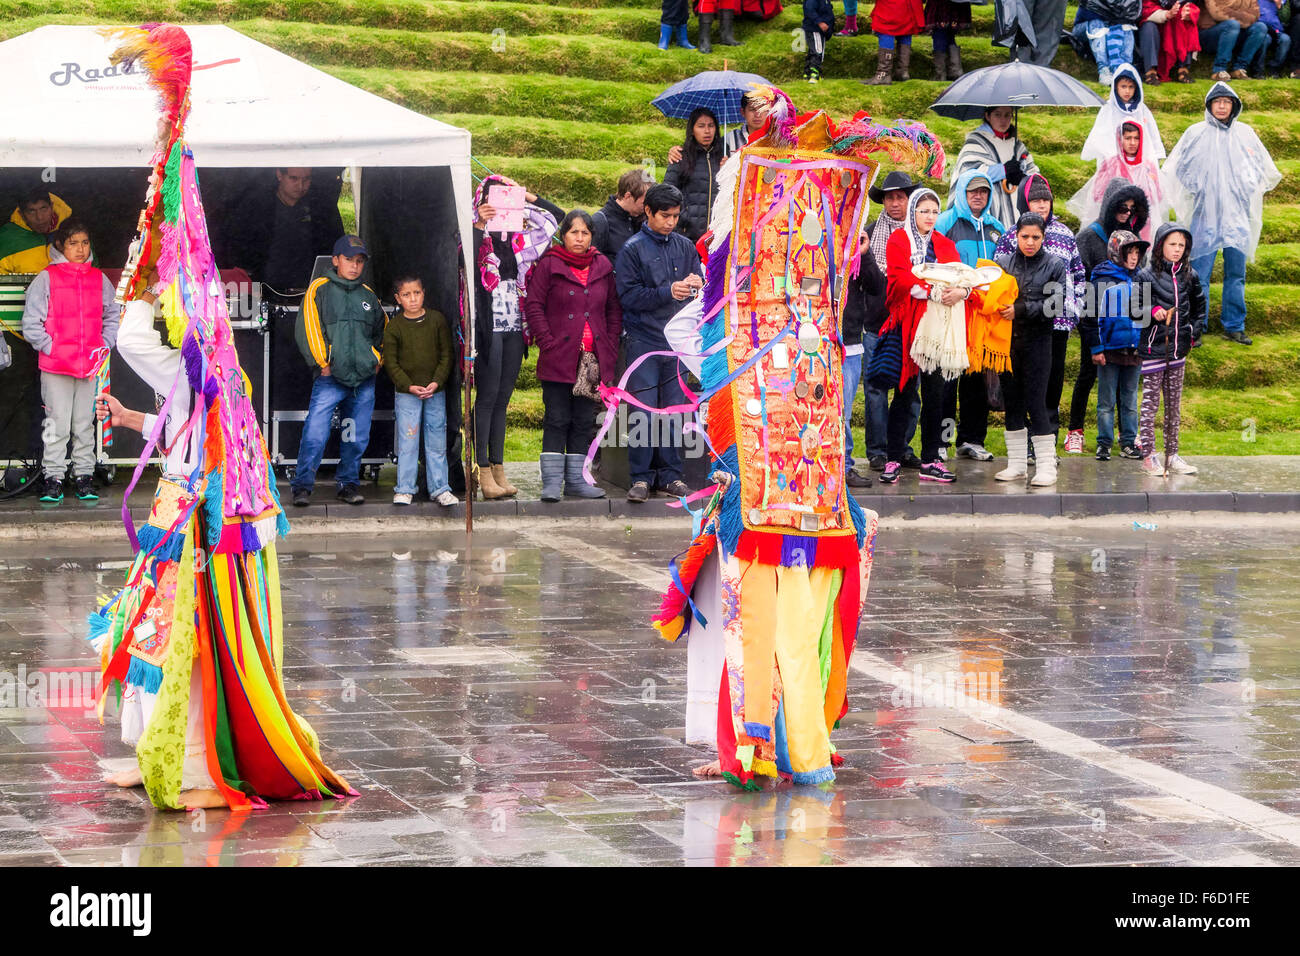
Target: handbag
x: 993, y: 391
x: 587, y: 384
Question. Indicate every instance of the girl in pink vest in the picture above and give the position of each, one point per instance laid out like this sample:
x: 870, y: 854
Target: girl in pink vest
x: 70, y: 319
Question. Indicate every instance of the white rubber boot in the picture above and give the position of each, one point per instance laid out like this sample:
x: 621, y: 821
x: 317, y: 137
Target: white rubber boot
x: 1017, y: 456
x: 1044, y: 461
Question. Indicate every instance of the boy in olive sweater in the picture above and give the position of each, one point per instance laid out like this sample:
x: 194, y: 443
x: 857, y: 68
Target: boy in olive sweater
x: 417, y: 355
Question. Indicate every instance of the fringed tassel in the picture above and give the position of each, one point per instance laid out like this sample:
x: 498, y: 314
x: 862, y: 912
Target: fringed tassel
x: 716, y: 270
x: 213, y: 500
x: 793, y: 551
x: 281, y: 520
x: 731, y: 523
x: 859, y: 520
x: 724, y: 206
x: 100, y: 628
x: 163, y: 545
x: 143, y: 674
x: 997, y: 361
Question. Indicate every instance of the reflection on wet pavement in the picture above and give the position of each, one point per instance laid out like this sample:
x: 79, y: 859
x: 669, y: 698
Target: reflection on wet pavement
x: 511, y: 706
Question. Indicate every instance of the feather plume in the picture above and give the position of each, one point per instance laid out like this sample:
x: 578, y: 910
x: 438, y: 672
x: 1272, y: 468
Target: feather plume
x: 165, y: 52
x: 907, y: 143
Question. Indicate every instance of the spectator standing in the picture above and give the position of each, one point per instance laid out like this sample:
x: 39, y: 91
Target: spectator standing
x: 1041, y: 280
x: 70, y: 318
x: 339, y: 332
x: 674, y: 15
x: 818, y: 25
x: 975, y: 233
x: 945, y: 19
x: 1233, y: 30
x: 1035, y: 195
x: 1132, y: 164
x: 621, y: 217
x: 1125, y: 103
x: 892, y: 196
x: 752, y: 116
x: 655, y: 273
x: 851, y: 329
x: 906, y: 297
x: 277, y: 233
x: 1176, y: 326
x: 1048, y: 18
x: 1111, y: 334
x: 895, y: 22
x: 574, y: 315
x: 1168, y: 39
x: 1123, y: 206
x: 417, y: 356
x: 25, y: 238
x: 696, y: 173
x: 1216, y: 177
x: 1107, y: 28
x: 725, y: 11
x: 502, y: 262
x: 995, y: 148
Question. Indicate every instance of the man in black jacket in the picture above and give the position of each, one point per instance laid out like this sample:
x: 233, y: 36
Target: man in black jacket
x: 279, y: 231
x: 1123, y: 206
x: 657, y: 270
x: 622, y: 216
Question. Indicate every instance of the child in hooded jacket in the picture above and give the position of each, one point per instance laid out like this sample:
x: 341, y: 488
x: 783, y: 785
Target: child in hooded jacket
x: 1111, y: 334
x: 1177, y: 322
x: 1131, y: 163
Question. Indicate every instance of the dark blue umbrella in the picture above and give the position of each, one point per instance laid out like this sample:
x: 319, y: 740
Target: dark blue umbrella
x: 1011, y: 84
x: 718, y: 90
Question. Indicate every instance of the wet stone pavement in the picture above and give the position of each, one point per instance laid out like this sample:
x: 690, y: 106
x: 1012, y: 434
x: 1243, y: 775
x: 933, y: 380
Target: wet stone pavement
x: 1130, y: 697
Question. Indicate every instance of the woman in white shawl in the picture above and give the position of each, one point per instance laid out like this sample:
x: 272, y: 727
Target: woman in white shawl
x: 994, y: 147
x: 1216, y: 178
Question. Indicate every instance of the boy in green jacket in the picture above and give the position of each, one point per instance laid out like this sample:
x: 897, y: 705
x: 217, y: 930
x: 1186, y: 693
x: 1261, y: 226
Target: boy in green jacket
x: 417, y: 357
x: 340, y: 329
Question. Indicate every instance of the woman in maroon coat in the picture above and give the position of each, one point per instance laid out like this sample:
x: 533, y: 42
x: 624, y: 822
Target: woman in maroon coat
x: 573, y: 313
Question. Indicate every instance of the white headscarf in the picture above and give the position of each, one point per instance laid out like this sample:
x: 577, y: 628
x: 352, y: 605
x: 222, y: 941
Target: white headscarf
x: 920, y: 244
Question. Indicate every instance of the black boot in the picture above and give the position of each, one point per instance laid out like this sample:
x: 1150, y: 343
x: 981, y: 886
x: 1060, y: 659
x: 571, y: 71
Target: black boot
x: 727, y: 38
x: 704, y: 44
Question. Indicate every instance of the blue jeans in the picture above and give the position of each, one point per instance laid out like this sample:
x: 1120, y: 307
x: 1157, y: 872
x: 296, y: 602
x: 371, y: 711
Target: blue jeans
x: 852, y: 376
x: 1281, y: 47
x: 655, y: 383
x: 877, y: 400
x: 355, y: 405
x: 409, y: 410
x: 1225, y: 37
x: 1117, y: 382
x: 1233, y: 310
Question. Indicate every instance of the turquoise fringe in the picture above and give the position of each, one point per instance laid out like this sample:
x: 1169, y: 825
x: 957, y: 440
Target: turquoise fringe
x: 143, y: 674
x: 213, y: 499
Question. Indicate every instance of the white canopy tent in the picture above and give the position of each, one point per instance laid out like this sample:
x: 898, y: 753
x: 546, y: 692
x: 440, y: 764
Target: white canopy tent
x: 252, y: 106
x: 84, y: 130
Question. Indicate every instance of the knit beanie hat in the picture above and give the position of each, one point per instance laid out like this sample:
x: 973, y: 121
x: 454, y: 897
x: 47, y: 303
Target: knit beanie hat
x: 1038, y: 189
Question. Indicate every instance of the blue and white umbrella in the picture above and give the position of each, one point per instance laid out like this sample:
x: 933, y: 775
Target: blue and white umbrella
x: 718, y: 90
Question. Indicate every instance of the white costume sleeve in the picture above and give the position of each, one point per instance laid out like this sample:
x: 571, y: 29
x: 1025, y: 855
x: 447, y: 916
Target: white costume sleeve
x: 159, y: 366
x: 683, y: 334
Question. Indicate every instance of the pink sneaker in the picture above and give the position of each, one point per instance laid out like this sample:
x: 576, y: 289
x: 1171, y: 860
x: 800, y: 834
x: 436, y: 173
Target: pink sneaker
x: 1074, y: 443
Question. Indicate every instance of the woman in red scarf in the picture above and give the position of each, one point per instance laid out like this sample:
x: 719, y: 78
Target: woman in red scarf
x: 573, y: 312
x: 905, y: 298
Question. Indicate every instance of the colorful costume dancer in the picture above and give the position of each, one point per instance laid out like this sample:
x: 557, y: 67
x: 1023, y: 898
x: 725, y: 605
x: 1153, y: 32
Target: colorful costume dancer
x: 792, y: 549
x: 195, y: 638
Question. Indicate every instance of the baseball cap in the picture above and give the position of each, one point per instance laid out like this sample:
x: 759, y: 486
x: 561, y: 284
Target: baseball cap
x: 350, y: 246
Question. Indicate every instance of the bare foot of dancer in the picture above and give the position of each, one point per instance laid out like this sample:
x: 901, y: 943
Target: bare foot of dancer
x: 709, y: 769
x: 125, y: 778
x: 201, y: 799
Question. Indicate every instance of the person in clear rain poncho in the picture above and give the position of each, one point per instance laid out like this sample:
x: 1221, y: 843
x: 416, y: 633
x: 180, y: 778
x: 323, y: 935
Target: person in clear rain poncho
x: 1216, y: 178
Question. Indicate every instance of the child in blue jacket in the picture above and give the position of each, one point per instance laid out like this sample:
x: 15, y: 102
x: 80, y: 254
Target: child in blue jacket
x: 818, y: 25
x: 1112, y: 331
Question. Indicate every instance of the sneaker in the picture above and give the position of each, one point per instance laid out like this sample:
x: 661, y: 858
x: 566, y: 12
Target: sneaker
x: 911, y: 461
x: 1131, y: 452
x: 446, y: 499
x: 876, y: 462
x: 855, y: 480
x: 1074, y: 442
x: 943, y: 454
x: 350, y: 494
x: 969, y: 449
x: 937, y: 471
x: 1104, y: 77
x: 639, y: 492
x: 1103, y: 453
x: 678, y: 489
x: 890, y: 474
x: 1152, y: 467
x: 402, y: 498
x: 53, y: 490
x: 1221, y: 75
x: 1241, y: 338
x: 86, y: 488
x: 1179, y: 467
x: 1240, y: 75
x: 301, y: 497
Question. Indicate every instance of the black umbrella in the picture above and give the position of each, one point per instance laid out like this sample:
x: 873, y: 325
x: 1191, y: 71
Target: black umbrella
x: 1011, y: 84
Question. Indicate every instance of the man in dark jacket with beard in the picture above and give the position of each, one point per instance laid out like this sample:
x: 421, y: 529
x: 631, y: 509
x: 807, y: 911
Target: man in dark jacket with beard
x: 1123, y: 206
x: 621, y: 217
x: 278, y: 231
